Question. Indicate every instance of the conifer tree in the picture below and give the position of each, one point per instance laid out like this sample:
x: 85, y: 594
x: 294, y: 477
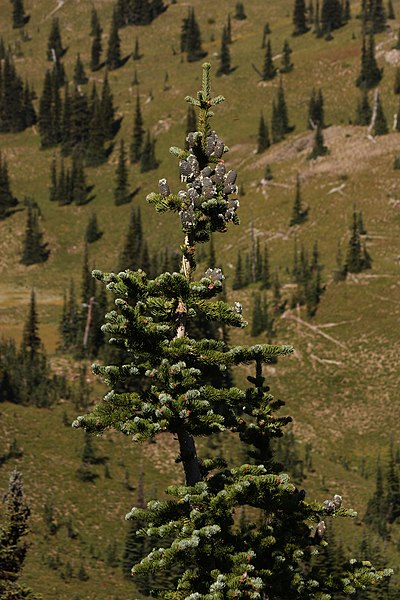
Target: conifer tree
x: 331, y: 15
x: 376, y: 16
x: 376, y: 513
x: 281, y: 111
x: 107, y: 109
x: 95, y: 151
x: 46, y: 119
x: 135, y: 149
x: 239, y: 280
x: 148, y: 159
x: 191, y: 122
x: 95, y: 25
x: 224, y: 55
x: 316, y: 110
x: 96, y: 50
x: 354, y: 261
x: 390, y: 10
x: 299, y: 213
x: 286, y: 60
x: 370, y: 74
x: 121, y: 191
x: 18, y: 14
x: 299, y: 17
x: 269, y: 70
x: 396, y: 86
x: 7, y: 200
x: 79, y: 122
x: 257, y: 321
x: 79, y: 77
x: 113, y: 58
x: 191, y: 38
x: 79, y: 191
x: 14, y: 517
x: 31, y: 341
x: 54, y: 44
x: 239, y: 13
x: 319, y: 148
x: 130, y: 256
x: 92, y: 233
x: 380, y: 123
x: 136, y: 51
x: 263, y: 141
x: 363, y: 109
x: 34, y: 250
x: 152, y: 320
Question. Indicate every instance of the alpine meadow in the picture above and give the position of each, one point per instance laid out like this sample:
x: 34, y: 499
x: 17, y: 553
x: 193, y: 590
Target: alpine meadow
x: 199, y: 299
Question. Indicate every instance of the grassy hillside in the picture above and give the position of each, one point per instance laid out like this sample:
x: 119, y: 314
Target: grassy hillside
x: 341, y: 384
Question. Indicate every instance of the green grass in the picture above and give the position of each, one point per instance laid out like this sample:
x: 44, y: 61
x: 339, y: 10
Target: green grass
x: 343, y: 392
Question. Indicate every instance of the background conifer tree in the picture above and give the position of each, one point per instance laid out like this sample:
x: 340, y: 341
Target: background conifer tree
x: 95, y: 25
x: 18, y: 14
x: 286, y: 60
x: 370, y: 74
x: 363, y: 109
x: 396, y: 85
x: 153, y: 320
x: 191, y: 38
x: 148, y: 159
x: 269, y: 70
x: 34, y: 250
x: 113, y: 58
x: 316, y: 110
x: 136, y: 51
x: 15, y: 513
x: 263, y: 141
x: 79, y: 77
x: 92, y: 233
x: 107, y: 109
x: 7, y: 199
x: 224, y: 55
x: 135, y: 149
x: 239, y: 13
x: 55, y: 48
x: 380, y: 123
x: 299, y: 17
x: 96, y: 49
x: 121, y: 191
x: 299, y: 213
x: 319, y: 148
x: 390, y: 10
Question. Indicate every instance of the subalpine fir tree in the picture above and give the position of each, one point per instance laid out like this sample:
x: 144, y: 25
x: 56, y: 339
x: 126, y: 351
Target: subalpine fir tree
x: 354, y: 257
x: 80, y: 122
x: 135, y: 148
x: 121, y: 190
x: 55, y: 48
x: 130, y: 256
x: 319, y: 148
x: 46, y: 120
x: 310, y: 12
x: 239, y: 13
x: 390, y: 10
x: 219, y: 557
x: 265, y: 279
x: 376, y: 21
x: 191, y: 38
x: 18, y: 14
x: 316, y: 110
x: 7, y: 200
x: 299, y: 17
x: 370, y: 74
x: 281, y: 113
x: 14, y: 515
x: 286, y: 60
x: 148, y: 159
x: 257, y: 321
x: 34, y: 250
x: 79, y: 189
x: 239, y: 278
x: 95, y: 151
x: 317, y: 21
x: 79, y: 76
x: 263, y: 141
x: 363, y: 109
x: 299, y: 213
x: 107, y: 109
x: 92, y: 232
x: 229, y: 30
x: 380, y: 126
x: 224, y: 55
x: 269, y: 70
x: 95, y: 25
x: 346, y: 12
x: 113, y: 58
x: 96, y: 50
x: 331, y: 15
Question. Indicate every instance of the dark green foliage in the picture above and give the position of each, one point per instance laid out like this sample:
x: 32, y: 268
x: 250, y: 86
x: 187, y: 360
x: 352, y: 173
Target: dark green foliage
x: 370, y: 74
x: 136, y: 51
x: 7, y: 201
x: 34, y: 250
x: 390, y: 14
x: 377, y: 508
x: 151, y: 322
x: 54, y: 44
x: 135, y: 149
x: 148, y: 159
x: 18, y: 14
x: 340, y: 273
x: 279, y: 119
x: 96, y: 49
x: 261, y: 321
x: 299, y: 17
x: 224, y: 55
x: 48, y: 116
x: 269, y: 70
x: 14, y: 526
x: 190, y: 41
x: 268, y: 176
x: 331, y: 15
x: 239, y: 13
x: 229, y: 30
x: 58, y: 74
x: 363, y: 109
x: 319, y: 148
x: 95, y: 151
x: 357, y: 258
x: 380, y: 126
x: 316, y: 110
x: 263, y: 141
x: 299, y: 213
x: 286, y: 60
x: 132, y: 251
x: 375, y: 21
x: 16, y: 108
x: 266, y: 31
x: 265, y: 275
x: 113, y: 57
x: 92, y: 233
x: 79, y: 77
x: 306, y: 274
x: 121, y: 190
x: 69, y: 185
x: 95, y: 26
x: 240, y: 277
x: 107, y: 110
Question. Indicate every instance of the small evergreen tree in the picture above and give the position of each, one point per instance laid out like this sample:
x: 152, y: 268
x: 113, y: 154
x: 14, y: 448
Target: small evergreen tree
x: 14, y: 526
x: 316, y: 110
x: 263, y: 141
x: 34, y: 250
x: 92, y: 233
x: 257, y: 321
x: 319, y: 148
x: 299, y: 17
x: 135, y: 149
x: 380, y: 126
x: 113, y: 58
x: 148, y: 159
x: 95, y: 25
x: 136, y: 51
x: 191, y: 38
x: 269, y: 70
x: 7, y: 200
x: 121, y: 191
x: 55, y: 48
x: 18, y: 14
x: 363, y: 109
x: 96, y: 49
x: 331, y: 15
x: 130, y: 256
x: 299, y: 213
x: 79, y: 77
x: 390, y: 10
x: 354, y: 259
x: 370, y: 74
x: 225, y: 55
x: 107, y: 109
x: 239, y: 280
x: 239, y: 13
x: 286, y: 60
